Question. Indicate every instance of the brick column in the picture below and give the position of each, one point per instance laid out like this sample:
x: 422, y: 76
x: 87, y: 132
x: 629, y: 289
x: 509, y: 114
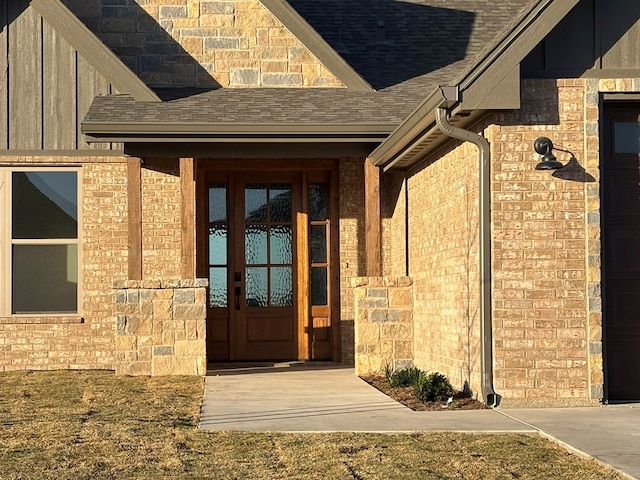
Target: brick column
x: 160, y: 327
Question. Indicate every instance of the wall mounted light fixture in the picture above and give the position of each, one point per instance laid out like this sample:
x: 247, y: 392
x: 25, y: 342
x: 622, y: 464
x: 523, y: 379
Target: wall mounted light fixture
x: 544, y: 147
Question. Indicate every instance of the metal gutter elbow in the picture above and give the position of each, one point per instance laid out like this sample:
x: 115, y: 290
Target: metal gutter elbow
x: 486, y: 324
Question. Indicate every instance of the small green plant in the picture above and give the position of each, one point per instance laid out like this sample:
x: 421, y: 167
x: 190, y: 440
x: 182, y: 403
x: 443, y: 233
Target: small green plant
x: 434, y: 387
x: 388, y: 371
x: 406, y: 377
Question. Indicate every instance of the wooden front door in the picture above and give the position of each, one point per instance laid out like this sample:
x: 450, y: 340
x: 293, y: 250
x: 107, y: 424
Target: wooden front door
x: 621, y: 244
x: 268, y: 263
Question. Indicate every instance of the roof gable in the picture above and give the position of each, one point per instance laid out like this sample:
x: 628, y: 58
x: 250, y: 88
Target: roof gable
x: 490, y: 82
x: 204, y: 45
x: 318, y: 45
x: 389, y: 42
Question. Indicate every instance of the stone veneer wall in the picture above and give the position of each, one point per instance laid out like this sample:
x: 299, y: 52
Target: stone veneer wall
x: 384, y: 323
x: 161, y: 327
x: 202, y: 43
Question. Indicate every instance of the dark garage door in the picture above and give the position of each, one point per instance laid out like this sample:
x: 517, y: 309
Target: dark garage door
x: 620, y: 169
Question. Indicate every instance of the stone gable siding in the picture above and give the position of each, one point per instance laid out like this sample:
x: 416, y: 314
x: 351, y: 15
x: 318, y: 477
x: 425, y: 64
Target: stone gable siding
x: 203, y: 43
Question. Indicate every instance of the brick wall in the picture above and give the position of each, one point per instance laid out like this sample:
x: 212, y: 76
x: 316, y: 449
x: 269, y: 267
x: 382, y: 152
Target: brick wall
x: 394, y: 226
x: 443, y: 253
x: 540, y: 251
x: 203, y: 43
x: 85, y: 340
x: 351, y: 186
x: 161, y: 247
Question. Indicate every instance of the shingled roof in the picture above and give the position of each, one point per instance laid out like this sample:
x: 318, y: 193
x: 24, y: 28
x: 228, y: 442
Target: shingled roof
x: 404, y: 49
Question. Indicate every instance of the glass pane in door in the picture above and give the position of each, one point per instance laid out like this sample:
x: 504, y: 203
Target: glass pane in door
x: 281, y: 242
x: 280, y: 202
x: 218, y: 286
x: 218, y: 245
x: 281, y: 287
x: 268, y: 245
x: 255, y: 202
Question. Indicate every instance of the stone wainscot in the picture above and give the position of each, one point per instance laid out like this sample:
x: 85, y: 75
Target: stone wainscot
x: 161, y: 327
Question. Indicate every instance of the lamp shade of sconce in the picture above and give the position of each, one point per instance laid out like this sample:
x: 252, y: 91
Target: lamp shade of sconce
x: 544, y: 146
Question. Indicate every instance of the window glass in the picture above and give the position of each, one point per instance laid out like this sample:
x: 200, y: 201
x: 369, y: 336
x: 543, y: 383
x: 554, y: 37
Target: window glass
x: 217, y: 203
x: 319, y: 286
x: 318, y: 243
x: 45, y: 278
x: 257, y: 287
x: 627, y: 137
x: 218, y: 245
x: 280, y: 202
x: 42, y: 244
x: 44, y: 205
x: 218, y: 287
x: 318, y: 201
x: 255, y: 202
x: 281, y: 244
x: 281, y: 287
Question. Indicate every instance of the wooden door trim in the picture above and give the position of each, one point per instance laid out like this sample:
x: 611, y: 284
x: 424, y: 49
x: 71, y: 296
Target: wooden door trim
x: 301, y: 264
x: 334, y: 266
x: 300, y: 174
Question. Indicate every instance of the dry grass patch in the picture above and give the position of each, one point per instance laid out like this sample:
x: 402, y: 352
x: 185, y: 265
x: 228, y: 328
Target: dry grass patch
x: 76, y: 425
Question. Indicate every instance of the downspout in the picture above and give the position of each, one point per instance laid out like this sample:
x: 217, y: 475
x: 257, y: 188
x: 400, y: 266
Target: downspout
x: 486, y: 324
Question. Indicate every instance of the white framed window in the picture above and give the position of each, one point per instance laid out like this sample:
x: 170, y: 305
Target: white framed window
x: 40, y: 241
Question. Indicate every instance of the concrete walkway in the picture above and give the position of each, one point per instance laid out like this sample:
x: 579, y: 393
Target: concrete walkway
x: 327, y: 398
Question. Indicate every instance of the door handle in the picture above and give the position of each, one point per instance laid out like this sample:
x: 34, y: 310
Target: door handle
x: 238, y: 292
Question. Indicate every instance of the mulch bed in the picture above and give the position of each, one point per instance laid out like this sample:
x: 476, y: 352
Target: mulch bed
x: 406, y: 396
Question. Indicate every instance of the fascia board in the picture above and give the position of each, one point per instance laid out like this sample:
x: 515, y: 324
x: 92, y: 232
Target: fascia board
x: 130, y: 129
x: 310, y: 38
x: 235, y: 139
x: 511, y: 50
x: 93, y: 50
x: 224, y: 133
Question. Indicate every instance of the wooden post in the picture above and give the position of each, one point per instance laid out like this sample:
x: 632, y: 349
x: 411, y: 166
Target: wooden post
x: 134, y: 201
x: 305, y: 327
x: 188, y: 218
x: 372, y: 222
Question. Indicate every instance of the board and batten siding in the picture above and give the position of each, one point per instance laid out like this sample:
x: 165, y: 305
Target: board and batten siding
x: 597, y: 39
x: 46, y: 86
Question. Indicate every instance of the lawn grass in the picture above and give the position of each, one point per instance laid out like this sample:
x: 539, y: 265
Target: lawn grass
x: 95, y: 425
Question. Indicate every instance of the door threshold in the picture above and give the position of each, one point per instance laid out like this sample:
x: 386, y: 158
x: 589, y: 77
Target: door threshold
x: 257, y: 367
